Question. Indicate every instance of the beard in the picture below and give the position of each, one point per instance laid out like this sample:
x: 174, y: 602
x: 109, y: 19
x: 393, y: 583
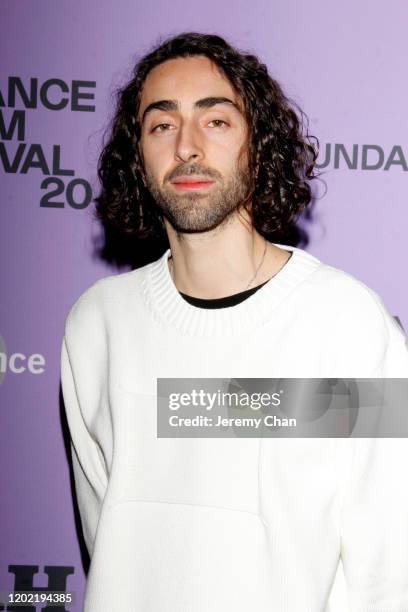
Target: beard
x: 195, y: 211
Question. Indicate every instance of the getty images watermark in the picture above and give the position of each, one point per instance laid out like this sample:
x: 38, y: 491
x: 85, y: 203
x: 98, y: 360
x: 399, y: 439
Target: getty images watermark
x: 282, y: 407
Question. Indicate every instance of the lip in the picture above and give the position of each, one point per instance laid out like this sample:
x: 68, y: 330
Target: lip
x: 191, y: 182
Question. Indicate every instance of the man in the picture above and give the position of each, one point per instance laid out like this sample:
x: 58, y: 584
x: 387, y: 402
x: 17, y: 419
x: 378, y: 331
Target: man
x: 206, y: 148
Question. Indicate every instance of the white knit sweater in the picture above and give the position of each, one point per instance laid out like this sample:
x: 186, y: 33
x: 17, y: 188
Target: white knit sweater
x: 232, y: 525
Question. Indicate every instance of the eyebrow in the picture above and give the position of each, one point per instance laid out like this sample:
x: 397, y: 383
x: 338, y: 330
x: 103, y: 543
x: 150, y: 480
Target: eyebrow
x: 172, y: 105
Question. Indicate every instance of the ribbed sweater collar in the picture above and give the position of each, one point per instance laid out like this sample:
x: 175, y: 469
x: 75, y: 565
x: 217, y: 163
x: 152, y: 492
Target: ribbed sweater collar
x: 171, y: 309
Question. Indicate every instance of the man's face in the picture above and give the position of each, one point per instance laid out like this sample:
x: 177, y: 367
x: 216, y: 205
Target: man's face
x: 194, y: 143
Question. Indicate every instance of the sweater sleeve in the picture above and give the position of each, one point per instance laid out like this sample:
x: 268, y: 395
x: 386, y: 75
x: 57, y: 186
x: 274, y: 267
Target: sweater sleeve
x: 374, y: 510
x: 80, y: 381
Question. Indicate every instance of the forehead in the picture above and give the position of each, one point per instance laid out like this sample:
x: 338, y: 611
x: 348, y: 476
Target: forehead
x: 187, y: 79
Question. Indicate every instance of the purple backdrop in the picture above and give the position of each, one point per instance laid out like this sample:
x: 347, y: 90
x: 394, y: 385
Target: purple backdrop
x: 344, y: 63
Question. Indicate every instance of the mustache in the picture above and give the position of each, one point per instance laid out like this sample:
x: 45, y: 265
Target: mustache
x: 195, y: 168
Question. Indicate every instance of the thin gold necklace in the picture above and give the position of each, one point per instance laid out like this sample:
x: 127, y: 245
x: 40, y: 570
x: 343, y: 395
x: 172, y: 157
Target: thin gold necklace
x: 258, y: 268
x: 250, y: 282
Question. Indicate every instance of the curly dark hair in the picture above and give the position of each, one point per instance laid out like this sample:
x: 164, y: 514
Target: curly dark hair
x: 281, y: 157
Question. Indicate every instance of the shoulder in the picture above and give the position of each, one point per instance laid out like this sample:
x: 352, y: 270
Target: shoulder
x: 353, y: 317
x: 92, y: 307
x: 349, y: 292
x: 340, y: 294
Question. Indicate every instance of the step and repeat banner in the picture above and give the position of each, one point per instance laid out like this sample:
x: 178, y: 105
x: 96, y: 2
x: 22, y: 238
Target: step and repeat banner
x: 343, y: 63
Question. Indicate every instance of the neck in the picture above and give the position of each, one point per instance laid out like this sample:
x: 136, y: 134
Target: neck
x: 229, y: 259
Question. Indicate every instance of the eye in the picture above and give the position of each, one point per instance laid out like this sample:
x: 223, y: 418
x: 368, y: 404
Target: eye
x: 160, y: 125
x: 218, y: 122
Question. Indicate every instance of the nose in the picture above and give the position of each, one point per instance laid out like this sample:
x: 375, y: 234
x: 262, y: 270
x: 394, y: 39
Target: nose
x: 188, y: 144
